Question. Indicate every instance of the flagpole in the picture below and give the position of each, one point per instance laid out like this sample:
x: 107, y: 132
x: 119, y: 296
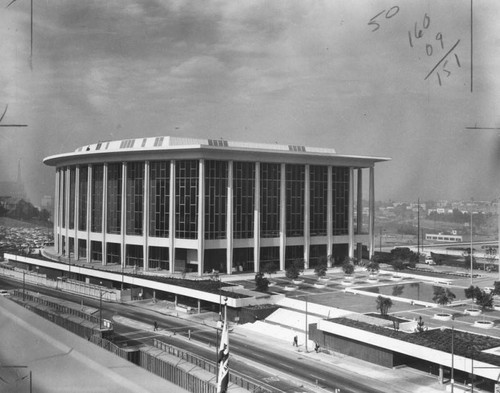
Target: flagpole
x: 223, y: 356
x: 217, y: 333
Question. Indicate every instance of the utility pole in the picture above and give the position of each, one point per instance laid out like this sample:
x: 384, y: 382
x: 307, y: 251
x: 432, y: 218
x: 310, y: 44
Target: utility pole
x: 418, y: 228
x: 471, y: 264
x: 306, y: 324
x: 100, y: 306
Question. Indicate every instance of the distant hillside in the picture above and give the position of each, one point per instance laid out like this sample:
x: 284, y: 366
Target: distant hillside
x: 13, y: 223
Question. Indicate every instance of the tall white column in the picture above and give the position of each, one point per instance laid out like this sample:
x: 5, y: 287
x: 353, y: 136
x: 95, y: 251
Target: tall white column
x: 282, y: 216
x: 123, y: 216
x: 104, y: 210
x: 201, y: 218
x: 359, y: 205
x: 57, y: 227
x: 89, y: 211
x: 62, y: 204
x: 171, y: 218
x: 350, y: 222
x: 371, y: 213
x: 256, y: 220
x: 66, y: 209
x: 229, y: 218
x: 77, y: 210
x: 329, y: 215
x: 145, y: 215
x: 359, y: 213
x: 307, y: 211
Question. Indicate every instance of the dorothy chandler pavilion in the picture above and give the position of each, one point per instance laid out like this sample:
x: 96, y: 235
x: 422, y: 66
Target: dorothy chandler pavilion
x: 198, y: 205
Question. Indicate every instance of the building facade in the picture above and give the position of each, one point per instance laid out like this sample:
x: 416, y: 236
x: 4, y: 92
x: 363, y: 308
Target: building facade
x: 182, y: 204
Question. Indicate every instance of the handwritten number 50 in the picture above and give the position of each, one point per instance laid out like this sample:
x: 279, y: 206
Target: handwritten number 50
x: 388, y: 15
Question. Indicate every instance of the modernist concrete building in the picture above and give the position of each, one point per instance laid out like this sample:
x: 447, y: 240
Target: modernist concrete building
x: 181, y: 204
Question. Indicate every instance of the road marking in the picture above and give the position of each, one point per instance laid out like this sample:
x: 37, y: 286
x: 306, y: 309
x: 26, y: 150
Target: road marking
x: 286, y: 365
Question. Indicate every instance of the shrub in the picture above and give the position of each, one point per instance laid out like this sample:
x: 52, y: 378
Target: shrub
x: 295, y: 269
x: 347, y: 267
x: 261, y: 283
x: 383, y: 305
x: 321, y: 268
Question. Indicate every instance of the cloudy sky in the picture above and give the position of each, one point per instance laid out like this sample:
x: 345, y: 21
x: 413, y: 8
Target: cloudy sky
x: 302, y: 72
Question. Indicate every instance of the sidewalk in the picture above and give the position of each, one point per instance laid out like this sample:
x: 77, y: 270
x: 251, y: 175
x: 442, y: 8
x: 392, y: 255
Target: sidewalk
x: 401, y: 380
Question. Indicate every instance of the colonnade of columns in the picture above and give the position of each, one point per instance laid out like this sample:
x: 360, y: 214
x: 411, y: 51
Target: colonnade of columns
x: 199, y: 244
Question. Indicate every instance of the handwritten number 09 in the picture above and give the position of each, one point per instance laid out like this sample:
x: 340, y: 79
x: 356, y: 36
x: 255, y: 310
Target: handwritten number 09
x: 388, y: 15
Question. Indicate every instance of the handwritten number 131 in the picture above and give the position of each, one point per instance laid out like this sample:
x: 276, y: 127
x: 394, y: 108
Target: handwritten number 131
x: 388, y: 15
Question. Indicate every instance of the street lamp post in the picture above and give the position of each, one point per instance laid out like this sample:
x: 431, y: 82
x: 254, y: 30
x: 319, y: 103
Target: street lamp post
x: 24, y: 285
x: 471, y: 265
x: 472, y: 369
x: 452, y: 357
x: 306, y: 324
x: 100, y: 305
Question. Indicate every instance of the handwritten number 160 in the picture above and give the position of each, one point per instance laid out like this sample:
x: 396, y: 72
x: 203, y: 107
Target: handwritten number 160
x: 418, y: 33
x: 388, y: 15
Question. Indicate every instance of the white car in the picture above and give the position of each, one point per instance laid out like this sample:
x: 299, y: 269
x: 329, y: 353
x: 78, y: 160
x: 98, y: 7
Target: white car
x: 4, y: 292
x: 429, y: 261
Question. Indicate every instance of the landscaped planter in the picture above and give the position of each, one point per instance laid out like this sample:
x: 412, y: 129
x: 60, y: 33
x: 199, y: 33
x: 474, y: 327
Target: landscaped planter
x: 323, y: 279
x: 496, y: 307
x: 298, y: 281
x: 396, y: 278
x: 443, y: 317
x: 290, y: 287
x: 319, y: 285
x: 272, y: 283
x: 474, y: 312
x: 348, y: 278
x: 347, y: 282
x: 484, y: 324
x: 372, y: 279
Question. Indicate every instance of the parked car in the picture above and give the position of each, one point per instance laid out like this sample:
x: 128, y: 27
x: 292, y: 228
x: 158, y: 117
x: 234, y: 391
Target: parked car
x: 4, y: 292
x: 429, y: 261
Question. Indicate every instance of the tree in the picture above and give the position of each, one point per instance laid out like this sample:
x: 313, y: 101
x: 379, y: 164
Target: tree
x: 347, y: 267
x: 405, y: 254
x: 383, y: 305
x: 443, y: 296
x: 472, y: 293
x: 420, y: 325
x: 295, y: 269
x: 44, y: 215
x: 270, y: 268
x: 321, y: 268
x: 261, y: 282
x: 496, y: 288
x: 373, y: 267
x: 484, y: 300
x: 398, y: 265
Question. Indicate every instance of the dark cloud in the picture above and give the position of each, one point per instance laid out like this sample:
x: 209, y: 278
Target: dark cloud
x: 299, y: 72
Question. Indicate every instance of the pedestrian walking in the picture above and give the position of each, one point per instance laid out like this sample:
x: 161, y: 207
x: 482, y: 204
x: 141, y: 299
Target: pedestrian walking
x: 155, y: 326
x: 295, y: 341
x: 316, y: 347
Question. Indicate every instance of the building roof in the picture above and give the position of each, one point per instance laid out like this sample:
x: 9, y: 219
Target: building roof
x: 140, y: 148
